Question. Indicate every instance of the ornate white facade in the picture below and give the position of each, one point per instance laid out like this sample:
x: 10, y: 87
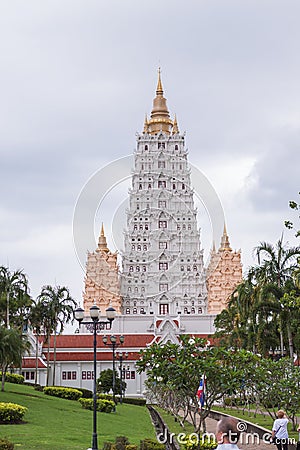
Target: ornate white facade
x: 162, y: 265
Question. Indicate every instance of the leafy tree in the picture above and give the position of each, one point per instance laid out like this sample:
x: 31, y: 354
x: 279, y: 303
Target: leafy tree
x: 105, y: 382
x: 60, y: 310
x: 12, y: 347
x: 14, y: 297
x: 174, y: 371
x: 290, y: 225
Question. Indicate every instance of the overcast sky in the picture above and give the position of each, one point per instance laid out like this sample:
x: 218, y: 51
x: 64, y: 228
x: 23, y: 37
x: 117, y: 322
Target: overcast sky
x: 78, y: 76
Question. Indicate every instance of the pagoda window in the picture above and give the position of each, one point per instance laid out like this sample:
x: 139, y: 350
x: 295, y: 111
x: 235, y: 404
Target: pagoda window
x: 163, y: 308
x: 146, y: 147
x: 174, y: 186
x: 137, y: 206
x: 180, y: 166
x: 129, y: 289
x: 182, y: 268
x: 146, y: 227
x: 134, y: 311
x: 144, y: 247
x: 162, y: 184
x: 127, y: 310
x: 163, y: 266
x: 135, y: 227
x: 188, y: 268
x: 140, y: 186
x: 163, y: 287
x: 144, y: 269
x: 189, y: 226
x: 130, y: 268
x: 176, y: 147
x: 137, y: 268
x: 139, y: 247
x: 178, y: 227
x: 142, y: 310
x: 142, y: 166
x: 183, y: 226
x: 149, y: 186
x: 195, y: 268
x: 192, y: 310
x: 161, y: 164
x: 162, y: 224
x: 161, y: 145
x: 162, y: 245
x: 141, y: 227
x: 183, y: 186
x: 185, y: 310
x: 162, y: 204
x: 199, y: 310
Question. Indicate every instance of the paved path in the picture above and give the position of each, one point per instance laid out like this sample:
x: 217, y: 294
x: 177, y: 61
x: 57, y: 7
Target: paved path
x: 211, y: 425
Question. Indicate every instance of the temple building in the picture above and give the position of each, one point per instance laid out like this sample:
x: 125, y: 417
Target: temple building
x: 161, y: 289
x: 102, y: 286
x: 162, y: 265
x: 224, y: 273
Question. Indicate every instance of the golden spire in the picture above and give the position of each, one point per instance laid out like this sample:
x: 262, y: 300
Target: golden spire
x: 160, y: 117
x: 175, y: 126
x: 159, y: 89
x: 146, y: 125
x: 225, y: 245
x: 102, y: 244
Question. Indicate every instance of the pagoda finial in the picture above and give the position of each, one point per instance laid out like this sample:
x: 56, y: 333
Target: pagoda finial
x: 160, y: 118
x: 159, y: 89
x: 225, y: 245
x: 102, y: 244
x: 175, y: 129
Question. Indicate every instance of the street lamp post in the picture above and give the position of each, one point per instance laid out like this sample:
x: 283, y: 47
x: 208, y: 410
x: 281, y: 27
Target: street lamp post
x: 121, y: 357
x: 94, y: 325
x: 113, y: 344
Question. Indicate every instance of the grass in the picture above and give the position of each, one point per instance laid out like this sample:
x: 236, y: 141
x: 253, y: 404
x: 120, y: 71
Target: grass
x: 56, y: 424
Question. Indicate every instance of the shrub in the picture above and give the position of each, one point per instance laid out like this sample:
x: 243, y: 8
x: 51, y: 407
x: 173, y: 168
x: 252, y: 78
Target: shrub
x: 86, y: 393
x: 121, y: 442
x: 13, y: 378
x: 106, y: 406
x: 195, y: 442
x: 62, y: 392
x: 151, y: 444
x: 131, y: 447
x: 134, y: 401
x: 11, y: 412
x: 5, y: 444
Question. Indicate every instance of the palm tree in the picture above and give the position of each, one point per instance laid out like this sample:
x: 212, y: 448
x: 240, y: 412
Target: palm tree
x: 12, y: 347
x: 276, y: 265
x: 13, y: 287
x: 60, y: 307
x: 37, y: 315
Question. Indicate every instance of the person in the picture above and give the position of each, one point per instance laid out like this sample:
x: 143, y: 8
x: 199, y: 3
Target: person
x: 227, y: 434
x: 279, y: 431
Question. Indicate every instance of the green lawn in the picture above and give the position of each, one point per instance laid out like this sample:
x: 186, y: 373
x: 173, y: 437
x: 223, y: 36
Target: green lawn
x: 57, y: 424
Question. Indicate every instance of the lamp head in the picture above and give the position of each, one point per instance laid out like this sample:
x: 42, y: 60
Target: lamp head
x: 111, y: 313
x: 113, y: 339
x: 94, y: 312
x: 79, y: 314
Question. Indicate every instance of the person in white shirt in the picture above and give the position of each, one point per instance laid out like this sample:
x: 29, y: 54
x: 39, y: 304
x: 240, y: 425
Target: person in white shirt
x: 227, y: 434
x: 279, y: 431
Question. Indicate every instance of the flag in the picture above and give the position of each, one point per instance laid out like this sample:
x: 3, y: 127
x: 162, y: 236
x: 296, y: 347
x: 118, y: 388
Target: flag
x: 201, y: 392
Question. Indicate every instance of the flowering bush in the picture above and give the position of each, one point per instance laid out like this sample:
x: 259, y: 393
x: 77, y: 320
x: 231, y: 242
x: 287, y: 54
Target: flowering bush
x: 11, y: 412
x: 67, y: 393
x: 197, y: 442
x: 102, y: 405
x: 13, y: 378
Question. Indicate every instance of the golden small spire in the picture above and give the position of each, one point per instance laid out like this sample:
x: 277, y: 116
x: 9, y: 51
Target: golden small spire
x: 102, y: 244
x: 146, y: 125
x: 225, y: 245
x: 175, y: 126
x: 160, y: 118
x: 159, y: 89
